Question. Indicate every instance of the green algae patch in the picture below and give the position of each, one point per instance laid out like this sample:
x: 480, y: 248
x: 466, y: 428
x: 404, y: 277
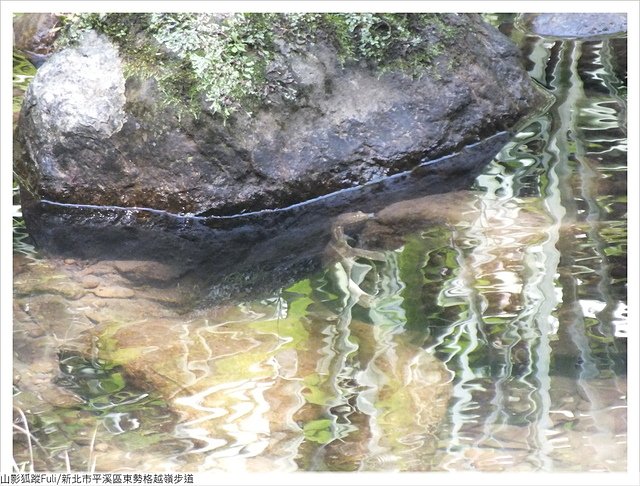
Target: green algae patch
x: 319, y: 431
x: 112, y: 349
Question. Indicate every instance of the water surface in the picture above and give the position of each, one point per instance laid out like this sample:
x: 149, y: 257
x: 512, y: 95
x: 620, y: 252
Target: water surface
x: 480, y: 331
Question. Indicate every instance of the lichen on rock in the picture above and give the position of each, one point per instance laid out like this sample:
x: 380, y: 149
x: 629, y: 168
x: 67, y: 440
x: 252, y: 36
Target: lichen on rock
x: 93, y: 102
x: 86, y: 106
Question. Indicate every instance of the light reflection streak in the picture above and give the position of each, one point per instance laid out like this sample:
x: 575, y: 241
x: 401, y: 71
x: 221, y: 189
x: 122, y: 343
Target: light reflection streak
x: 536, y: 325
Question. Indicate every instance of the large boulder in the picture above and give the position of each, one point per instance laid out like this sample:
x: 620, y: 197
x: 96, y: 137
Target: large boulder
x: 90, y: 135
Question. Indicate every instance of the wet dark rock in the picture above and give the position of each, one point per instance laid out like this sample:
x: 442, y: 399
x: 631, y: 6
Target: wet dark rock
x: 88, y: 136
x: 34, y: 34
x: 236, y: 256
x: 576, y: 24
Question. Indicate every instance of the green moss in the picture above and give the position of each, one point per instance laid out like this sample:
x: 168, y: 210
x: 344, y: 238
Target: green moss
x: 319, y: 431
x: 222, y: 59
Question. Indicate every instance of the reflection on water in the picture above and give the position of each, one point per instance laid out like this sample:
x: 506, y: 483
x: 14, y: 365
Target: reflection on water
x: 541, y: 375
x: 484, y: 330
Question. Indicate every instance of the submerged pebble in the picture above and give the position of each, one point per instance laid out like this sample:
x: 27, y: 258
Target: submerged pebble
x: 113, y: 292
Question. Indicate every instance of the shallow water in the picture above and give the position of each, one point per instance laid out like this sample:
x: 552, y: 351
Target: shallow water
x: 486, y: 333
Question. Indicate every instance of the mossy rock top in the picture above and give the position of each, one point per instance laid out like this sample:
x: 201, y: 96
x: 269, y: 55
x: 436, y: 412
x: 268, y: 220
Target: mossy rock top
x: 223, y: 62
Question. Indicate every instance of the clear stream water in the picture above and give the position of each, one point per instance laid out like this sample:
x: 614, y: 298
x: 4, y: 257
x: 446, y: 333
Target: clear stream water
x: 493, y: 339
